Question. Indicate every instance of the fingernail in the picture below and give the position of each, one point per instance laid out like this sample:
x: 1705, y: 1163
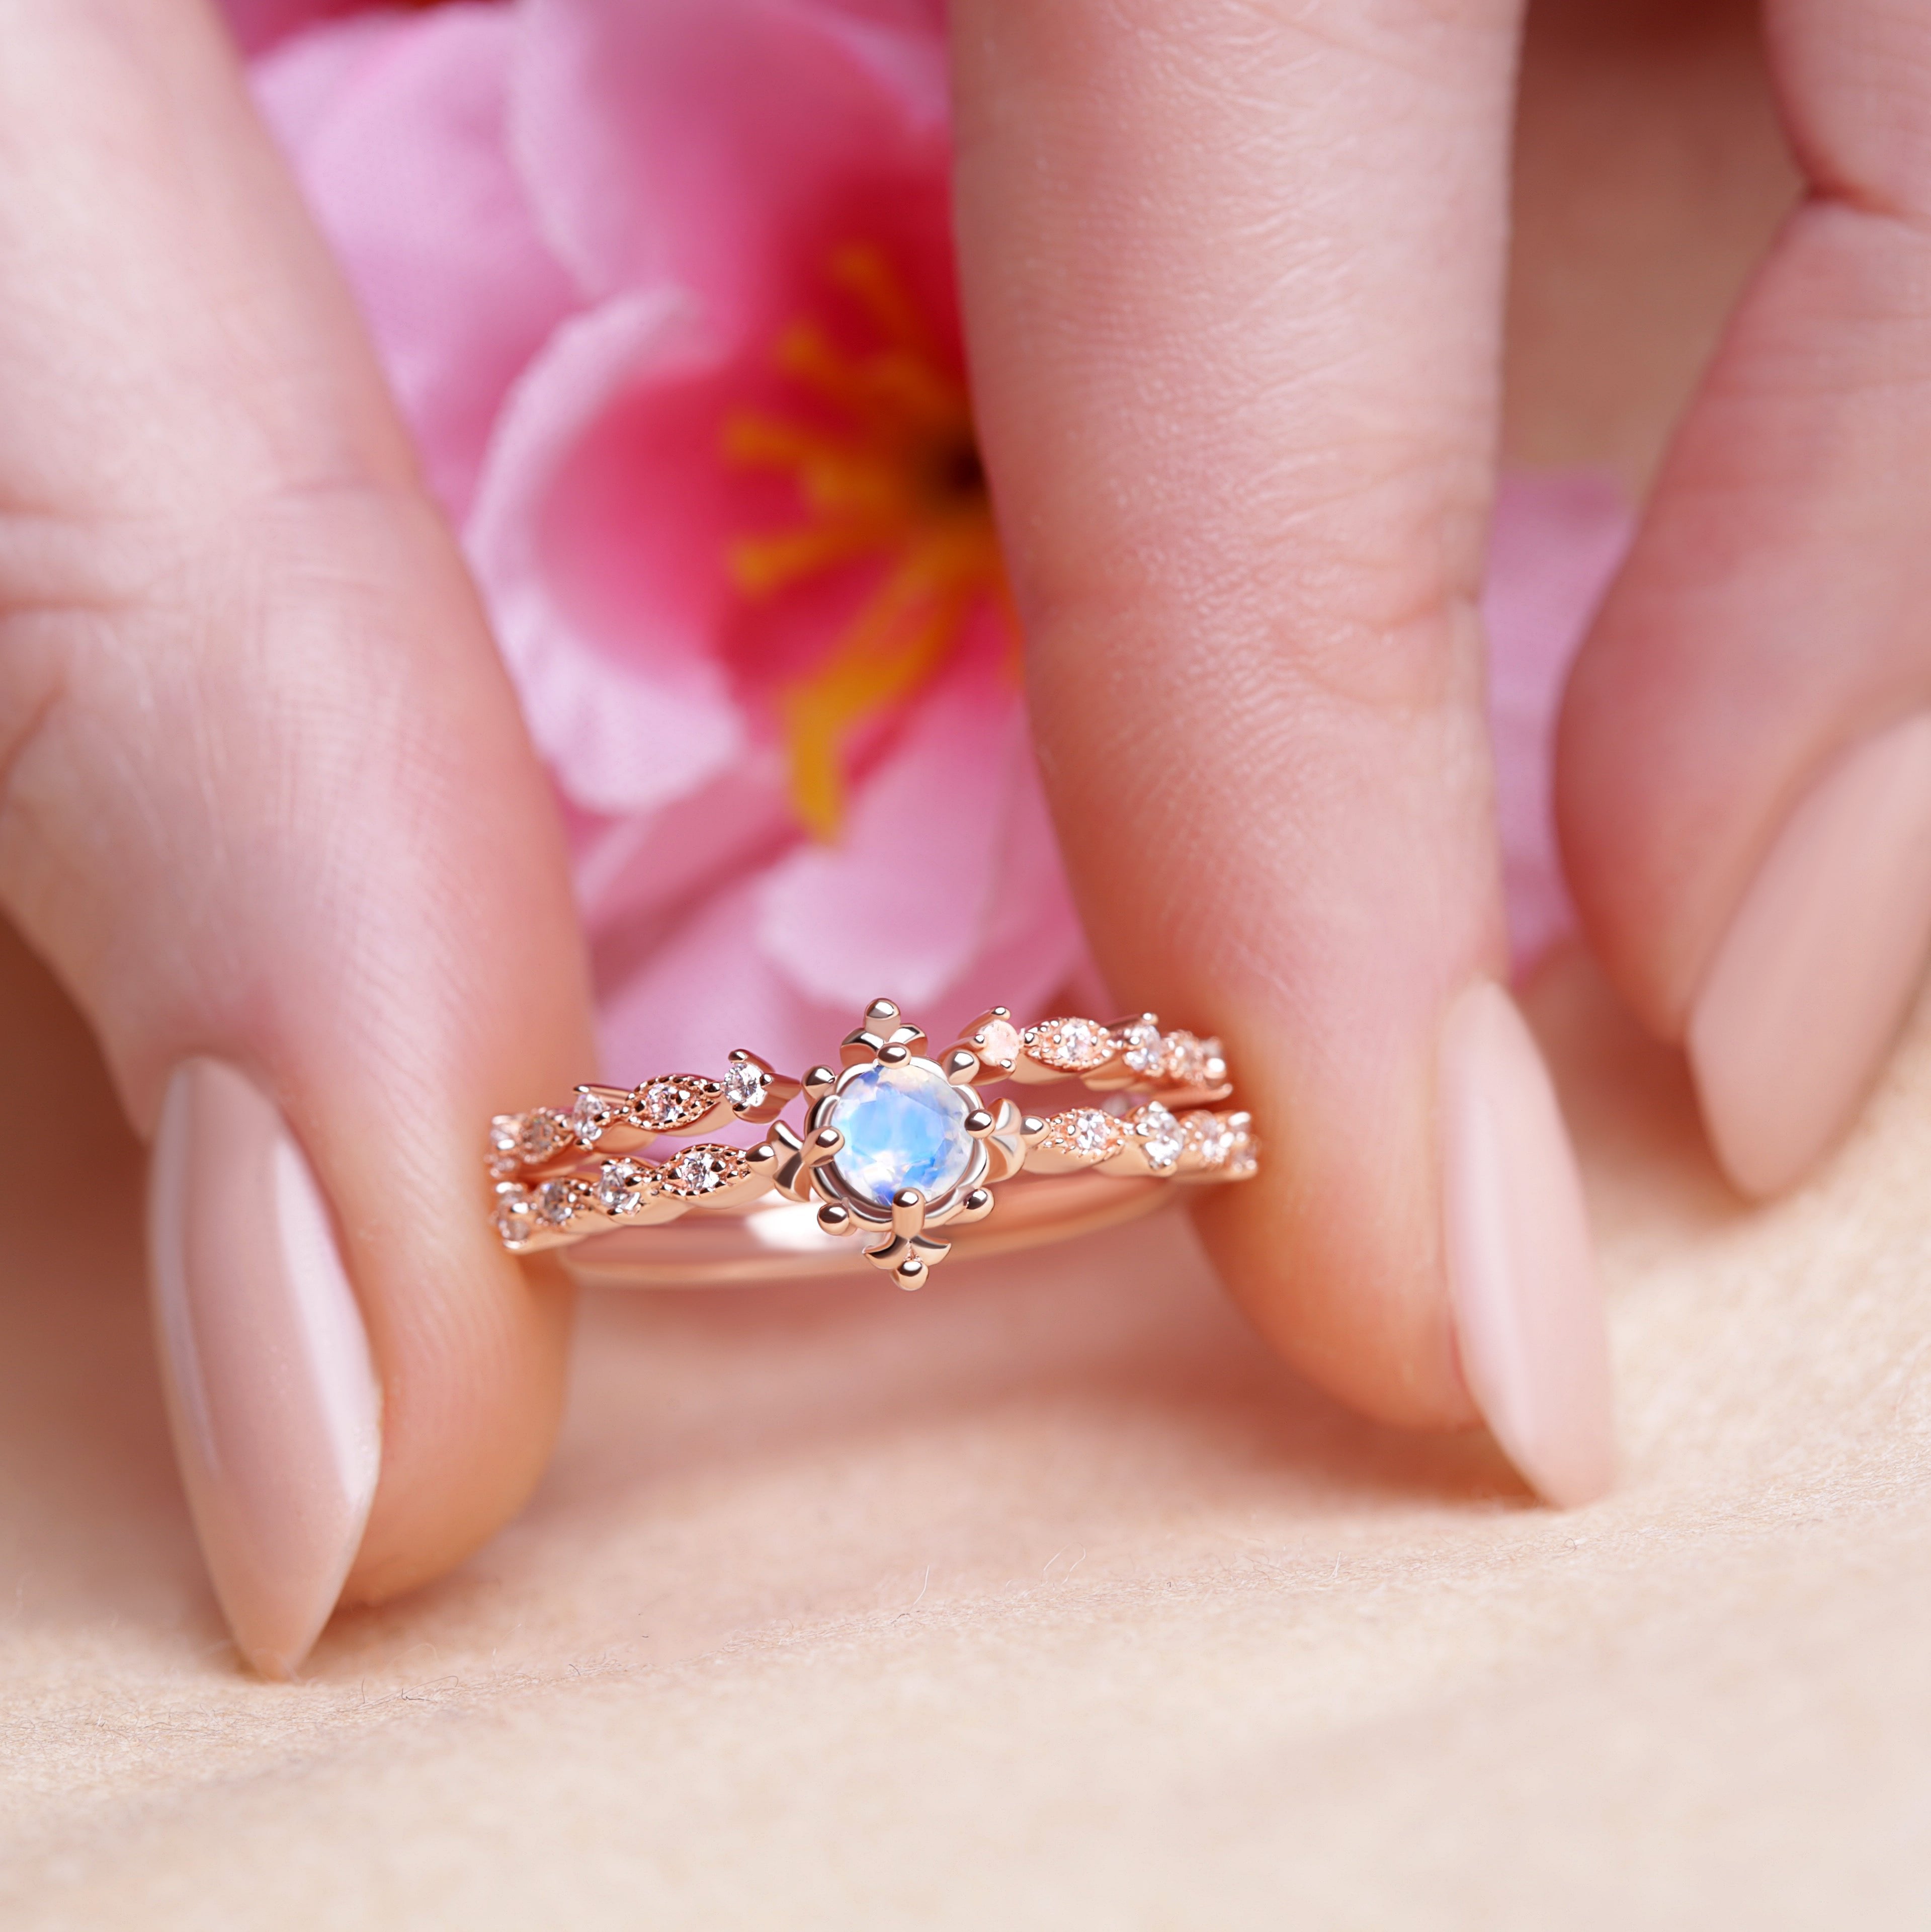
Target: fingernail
x: 1812, y: 982
x: 275, y: 1408
x: 1522, y: 1273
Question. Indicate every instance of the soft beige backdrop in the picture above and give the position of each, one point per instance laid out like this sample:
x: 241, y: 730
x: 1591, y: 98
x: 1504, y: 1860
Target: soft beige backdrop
x: 1038, y: 1599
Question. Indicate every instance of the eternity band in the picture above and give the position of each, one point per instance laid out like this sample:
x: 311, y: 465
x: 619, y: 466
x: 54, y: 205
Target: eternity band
x: 898, y: 1144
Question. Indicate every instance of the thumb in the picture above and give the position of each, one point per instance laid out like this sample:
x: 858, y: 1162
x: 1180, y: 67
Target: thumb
x: 270, y: 813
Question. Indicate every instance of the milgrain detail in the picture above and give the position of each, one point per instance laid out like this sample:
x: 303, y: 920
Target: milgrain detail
x: 899, y: 1146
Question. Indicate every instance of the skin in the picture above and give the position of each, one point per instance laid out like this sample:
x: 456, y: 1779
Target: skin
x: 1238, y: 286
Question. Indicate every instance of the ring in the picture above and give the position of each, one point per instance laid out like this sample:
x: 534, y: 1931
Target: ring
x: 898, y: 1145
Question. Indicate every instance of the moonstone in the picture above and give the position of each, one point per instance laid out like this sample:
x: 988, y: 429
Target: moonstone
x: 904, y: 1127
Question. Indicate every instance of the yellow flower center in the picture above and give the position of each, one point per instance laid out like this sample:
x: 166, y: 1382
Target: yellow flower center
x: 898, y: 482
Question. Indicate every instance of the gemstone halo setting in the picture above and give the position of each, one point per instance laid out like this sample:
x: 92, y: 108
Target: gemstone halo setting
x: 897, y: 1146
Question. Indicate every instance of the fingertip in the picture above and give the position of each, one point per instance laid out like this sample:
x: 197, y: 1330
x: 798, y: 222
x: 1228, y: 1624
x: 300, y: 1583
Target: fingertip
x: 1334, y: 1249
x: 485, y: 1443
x: 272, y: 1395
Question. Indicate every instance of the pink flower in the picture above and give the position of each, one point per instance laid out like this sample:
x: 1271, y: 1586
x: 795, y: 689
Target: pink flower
x: 665, y: 291
x: 665, y: 288
x: 259, y: 24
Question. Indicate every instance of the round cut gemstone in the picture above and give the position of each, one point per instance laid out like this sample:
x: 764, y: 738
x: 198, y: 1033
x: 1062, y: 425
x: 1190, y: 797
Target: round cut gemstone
x: 745, y: 1085
x: 1145, y: 1047
x: 545, y: 1134
x: 1194, y: 1062
x: 904, y: 1127
x: 590, y: 1116
x: 1162, y: 1139
x: 703, y: 1170
x: 557, y: 1202
x: 997, y: 1042
x: 1069, y: 1046
x: 515, y: 1216
x: 623, y: 1186
x: 1209, y: 1138
x: 1084, y: 1133
x: 666, y: 1103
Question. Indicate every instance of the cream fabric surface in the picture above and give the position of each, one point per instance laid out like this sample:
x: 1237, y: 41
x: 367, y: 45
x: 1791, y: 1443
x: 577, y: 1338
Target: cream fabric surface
x: 1041, y: 1598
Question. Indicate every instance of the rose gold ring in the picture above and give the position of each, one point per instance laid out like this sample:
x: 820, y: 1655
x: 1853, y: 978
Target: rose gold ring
x: 897, y: 1145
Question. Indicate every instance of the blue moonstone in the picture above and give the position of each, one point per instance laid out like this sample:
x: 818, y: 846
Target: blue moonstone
x: 904, y: 1127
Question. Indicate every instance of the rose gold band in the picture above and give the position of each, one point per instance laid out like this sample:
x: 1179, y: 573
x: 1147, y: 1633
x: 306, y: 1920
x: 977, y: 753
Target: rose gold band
x: 897, y: 1145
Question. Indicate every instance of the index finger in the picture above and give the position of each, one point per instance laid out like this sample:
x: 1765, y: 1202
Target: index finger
x: 1233, y: 282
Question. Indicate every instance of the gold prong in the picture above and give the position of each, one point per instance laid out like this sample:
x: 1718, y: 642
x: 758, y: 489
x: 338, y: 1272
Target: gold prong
x: 976, y: 1205
x: 910, y: 1272
x: 882, y: 1009
x: 961, y: 1066
x: 1006, y: 1151
x: 1031, y: 1126
x: 791, y: 1172
x: 908, y: 1212
x: 893, y: 1055
x: 778, y: 1092
x: 818, y: 1082
x: 835, y: 1219
x: 978, y: 1123
x: 857, y: 1049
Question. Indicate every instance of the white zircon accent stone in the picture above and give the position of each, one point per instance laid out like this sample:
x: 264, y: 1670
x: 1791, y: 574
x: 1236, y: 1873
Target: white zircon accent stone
x: 745, y: 1085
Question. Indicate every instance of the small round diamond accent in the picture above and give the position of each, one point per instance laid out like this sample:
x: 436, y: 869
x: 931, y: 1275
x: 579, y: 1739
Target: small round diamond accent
x: 997, y: 1044
x: 703, y: 1170
x: 545, y: 1135
x: 515, y: 1217
x: 1162, y: 1140
x: 1084, y: 1134
x: 557, y: 1201
x: 1069, y: 1046
x: 664, y: 1103
x: 624, y: 1186
x: 1194, y: 1062
x: 1146, y: 1049
x: 590, y: 1116
x: 745, y: 1085
x: 1209, y: 1140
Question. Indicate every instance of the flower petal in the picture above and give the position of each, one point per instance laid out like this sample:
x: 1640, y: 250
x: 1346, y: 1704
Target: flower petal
x: 946, y: 853
x: 709, y: 987
x: 694, y: 140
x: 396, y: 129
x: 258, y: 25
x: 583, y: 540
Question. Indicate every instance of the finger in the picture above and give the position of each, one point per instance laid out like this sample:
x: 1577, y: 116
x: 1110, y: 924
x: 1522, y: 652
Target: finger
x: 269, y: 812
x: 1232, y: 280
x: 1745, y: 781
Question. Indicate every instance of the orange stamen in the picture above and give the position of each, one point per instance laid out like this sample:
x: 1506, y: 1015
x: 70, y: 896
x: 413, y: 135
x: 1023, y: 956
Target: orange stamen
x: 899, y: 483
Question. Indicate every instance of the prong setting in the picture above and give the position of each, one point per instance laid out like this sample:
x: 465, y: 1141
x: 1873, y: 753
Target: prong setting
x: 884, y: 1062
x: 895, y: 1145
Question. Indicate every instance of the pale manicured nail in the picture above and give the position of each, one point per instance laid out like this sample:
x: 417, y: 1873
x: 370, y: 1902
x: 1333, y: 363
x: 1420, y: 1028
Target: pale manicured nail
x: 1522, y: 1273
x: 1813, y: 979
x: 275, y: 1407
